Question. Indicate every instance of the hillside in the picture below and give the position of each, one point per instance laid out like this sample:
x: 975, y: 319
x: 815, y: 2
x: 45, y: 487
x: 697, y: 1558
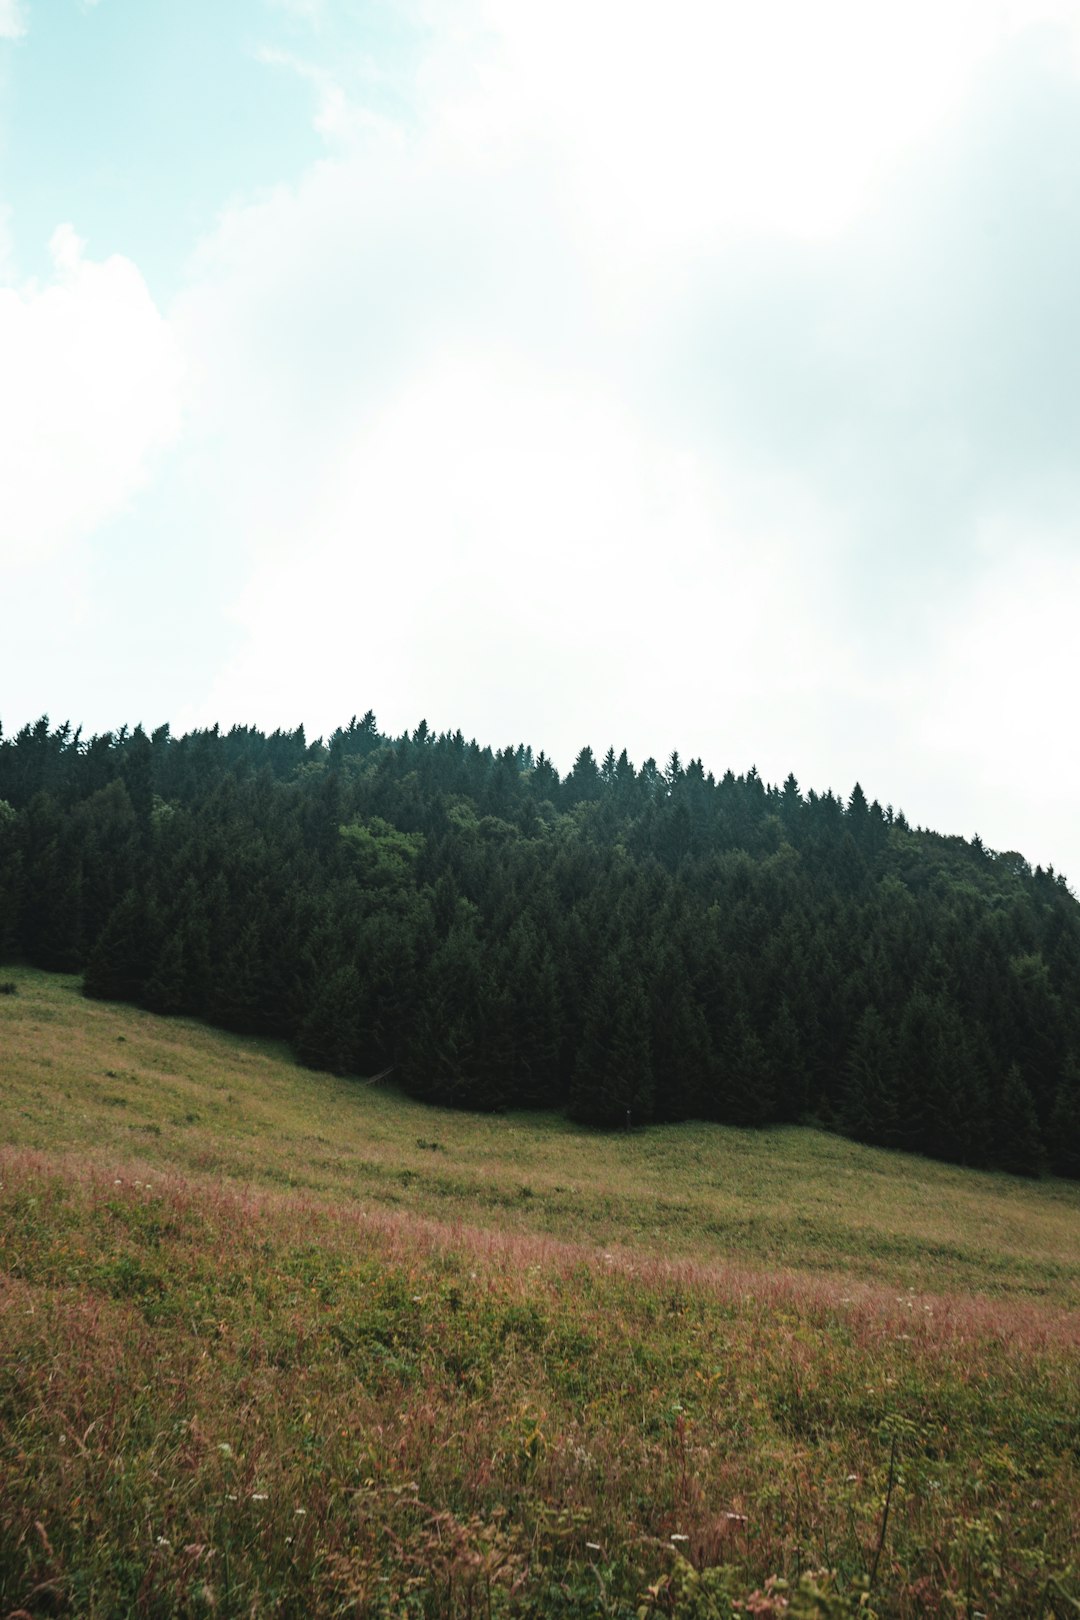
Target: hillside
x: 178, y: 1096
x: 625, y: 944
x: 280, y: 1343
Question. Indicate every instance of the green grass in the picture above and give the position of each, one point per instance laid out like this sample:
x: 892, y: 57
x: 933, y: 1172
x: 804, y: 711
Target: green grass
x: 273, y: 1343
x: 122, y: 1085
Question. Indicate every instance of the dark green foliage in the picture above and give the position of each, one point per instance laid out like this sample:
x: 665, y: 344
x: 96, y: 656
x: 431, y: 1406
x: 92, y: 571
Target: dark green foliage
x: 459, y: 1049
x: 868, y: 1104
x: 748, y: 1084
x: 119, y: 964
x: 652, y: 942
x: 1065, y: 1124
x: 613, y: 1078
x: 943, y: 1101
x: 10, y: 880
x: 1018, y: 1144
x: 329, y: 1036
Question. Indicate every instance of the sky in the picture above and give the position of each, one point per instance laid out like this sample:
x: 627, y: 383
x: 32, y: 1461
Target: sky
x: 702, y: 376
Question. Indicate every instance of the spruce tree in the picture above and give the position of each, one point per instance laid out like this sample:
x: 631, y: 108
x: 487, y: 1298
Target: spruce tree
x: 613, y: 1079
x: 868, y: 1106
x: 1018, y: 1145
x: 1064, y: 1133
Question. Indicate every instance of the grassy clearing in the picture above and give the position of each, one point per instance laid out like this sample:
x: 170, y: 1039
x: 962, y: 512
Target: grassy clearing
x: 268, y: 1350
x: 120, y: 1085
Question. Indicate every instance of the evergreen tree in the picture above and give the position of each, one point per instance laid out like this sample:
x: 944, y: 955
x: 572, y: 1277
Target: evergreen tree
x: 1018, y: 1145
x: 1064, y: 1132
x: 613, y: 1080
x: 747, y: 1094
x: 432, y: 904
x: 328, y: 1037
x: 868, y: 1103
x: 121, y: 960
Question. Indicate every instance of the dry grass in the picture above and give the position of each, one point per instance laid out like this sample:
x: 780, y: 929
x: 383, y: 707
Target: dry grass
x: 279, y: 1358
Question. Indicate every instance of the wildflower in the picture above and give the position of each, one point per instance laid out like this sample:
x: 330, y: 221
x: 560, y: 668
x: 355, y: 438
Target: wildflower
x: 680, y: 1538
x: 163, y: 1541
x: 117, y: 1183
x: 592, y: 1546
x: 300, y: 1512
x: 417, y: 1298
x: 735, y: 1518
x: 229, y: 1497
x: 853, y: 1479
x: 225, y: 1448
x: 259, y: 1496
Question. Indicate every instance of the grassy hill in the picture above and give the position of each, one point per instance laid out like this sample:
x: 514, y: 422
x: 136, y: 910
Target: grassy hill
x: 275, y: 1343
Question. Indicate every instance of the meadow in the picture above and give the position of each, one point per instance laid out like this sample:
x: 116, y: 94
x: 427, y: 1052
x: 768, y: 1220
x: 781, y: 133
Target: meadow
x: 275, y: 1343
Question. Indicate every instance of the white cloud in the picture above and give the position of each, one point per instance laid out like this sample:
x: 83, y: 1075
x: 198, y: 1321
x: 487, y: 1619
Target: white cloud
x: 89, y: 391
x: 512, y: 553
x: 12, y: 19
x: 464, y: 416
x: 992, y: 723
x: 676, y: 129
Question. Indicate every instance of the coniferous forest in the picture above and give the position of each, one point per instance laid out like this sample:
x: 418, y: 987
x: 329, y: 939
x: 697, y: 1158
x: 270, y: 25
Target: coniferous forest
x: 629, y: 944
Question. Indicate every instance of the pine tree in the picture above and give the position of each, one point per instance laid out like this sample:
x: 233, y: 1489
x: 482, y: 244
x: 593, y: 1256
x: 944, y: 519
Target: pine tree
x: 784, y: 1054
x: 584, y: 782
x: 10, y: 881
x: 1018, y: 1146
x: 1064, y: 1133
x: 328, y: 1038
x: 121, y: 960
x: 613, y: 1080
x: 867, y: 1105
x: 165, y: 989
x: 747, y: 1095
x: 943, y: 1093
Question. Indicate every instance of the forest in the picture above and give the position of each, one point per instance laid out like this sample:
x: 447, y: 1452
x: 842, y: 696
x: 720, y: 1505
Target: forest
x: 628, y: 944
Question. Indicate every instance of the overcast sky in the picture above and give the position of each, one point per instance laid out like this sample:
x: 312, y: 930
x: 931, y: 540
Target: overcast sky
x: 697, y: 375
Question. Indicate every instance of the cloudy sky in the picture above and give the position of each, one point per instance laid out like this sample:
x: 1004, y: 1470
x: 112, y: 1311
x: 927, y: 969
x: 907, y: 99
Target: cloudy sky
x: 702, y: 375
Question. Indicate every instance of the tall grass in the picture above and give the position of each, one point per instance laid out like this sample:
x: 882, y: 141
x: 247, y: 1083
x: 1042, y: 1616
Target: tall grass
x: 220, y: 1394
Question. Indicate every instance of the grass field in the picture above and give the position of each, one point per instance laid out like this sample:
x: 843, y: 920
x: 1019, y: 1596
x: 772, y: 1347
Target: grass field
x: 277, y: 1343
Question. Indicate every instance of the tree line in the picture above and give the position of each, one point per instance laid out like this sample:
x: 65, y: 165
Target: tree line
x: 628, y: 944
